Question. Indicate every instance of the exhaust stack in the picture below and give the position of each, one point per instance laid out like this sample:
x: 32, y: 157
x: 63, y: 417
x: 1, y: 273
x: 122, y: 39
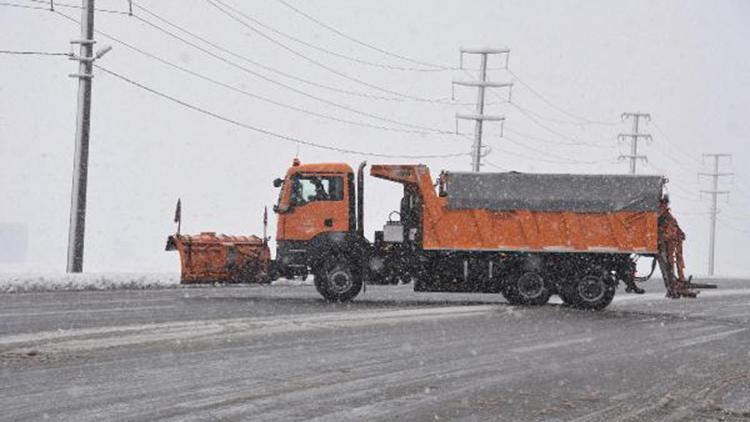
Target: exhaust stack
x: 361, y: 199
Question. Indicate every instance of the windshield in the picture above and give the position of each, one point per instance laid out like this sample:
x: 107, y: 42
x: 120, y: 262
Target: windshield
x: 281, y: 193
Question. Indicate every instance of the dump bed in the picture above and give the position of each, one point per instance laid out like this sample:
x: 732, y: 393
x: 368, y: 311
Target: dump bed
x: 553, y: 192
x: 535, y: 212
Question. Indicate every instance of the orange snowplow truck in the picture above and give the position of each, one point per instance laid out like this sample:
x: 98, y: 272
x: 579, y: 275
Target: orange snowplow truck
x: 526, y: 236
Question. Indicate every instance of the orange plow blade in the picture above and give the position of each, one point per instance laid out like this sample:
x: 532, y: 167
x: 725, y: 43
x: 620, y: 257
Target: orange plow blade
x: 211, y: 258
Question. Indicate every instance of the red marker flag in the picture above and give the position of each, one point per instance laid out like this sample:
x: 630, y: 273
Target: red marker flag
x: 178, y: 211
x: 265, y: 224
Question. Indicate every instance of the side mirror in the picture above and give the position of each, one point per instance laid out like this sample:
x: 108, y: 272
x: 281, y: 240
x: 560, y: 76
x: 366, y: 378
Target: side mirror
x: 279, y: 210
x: 278, y: 182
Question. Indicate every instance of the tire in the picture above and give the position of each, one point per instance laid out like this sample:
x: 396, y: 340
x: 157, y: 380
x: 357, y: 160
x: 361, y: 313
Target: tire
x: 568, y: 296
x: 591, y: 291
x: 529, y: 289
x: 337, y: 281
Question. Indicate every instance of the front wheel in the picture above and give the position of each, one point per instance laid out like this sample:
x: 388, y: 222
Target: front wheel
x: 337, y: 281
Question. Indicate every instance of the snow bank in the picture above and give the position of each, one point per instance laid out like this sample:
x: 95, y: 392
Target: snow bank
x: 11, y: 283
x: 293, y: 282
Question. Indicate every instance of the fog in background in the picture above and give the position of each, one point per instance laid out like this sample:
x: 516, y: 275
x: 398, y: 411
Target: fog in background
x: 685, y: 62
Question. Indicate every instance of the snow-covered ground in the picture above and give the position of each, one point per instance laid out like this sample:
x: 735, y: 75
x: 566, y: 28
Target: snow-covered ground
x: 25, y: 282
x: 29, y: 282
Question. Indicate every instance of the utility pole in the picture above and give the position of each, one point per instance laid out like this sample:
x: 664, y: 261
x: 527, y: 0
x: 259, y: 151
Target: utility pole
x: 479, y: 117
x: 634, y: 138
x: 85, y: 60
x: 714, y: 192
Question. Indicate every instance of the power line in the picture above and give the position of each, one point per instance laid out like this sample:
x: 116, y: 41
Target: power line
x: 75, y: 6
x: 562, y: 160
x: 248, y: 93
x: 675, y: 147
x: 23, y: 6
x: 491, y: 164
x: 33, y: 53
x: 555, y: 142
x: 723, y: 222
x: 265, y: 131
x: 254, y: 62
x: 530, y: 117
x: 261, y: 65
x: 556, y: 107
x: 223, y: 10
x: 281, y: 84
x: 552, y: 119
x: 435, y: 67
x: 334, y: 53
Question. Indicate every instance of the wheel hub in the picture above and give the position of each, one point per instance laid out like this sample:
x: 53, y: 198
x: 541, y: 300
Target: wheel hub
x: 530, y: 285
x: 591, y: 288
x: 339, y: 281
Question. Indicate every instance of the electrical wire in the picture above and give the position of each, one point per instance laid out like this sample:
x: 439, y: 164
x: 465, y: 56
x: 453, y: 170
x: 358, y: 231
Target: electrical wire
x: 75, y: 6
x: 292, y: 139
x: 723, y: 222
x: 434, y: 67
x: 571, y: 140
x: 334, y: 53
x: 246, y: 92
x: 556, y: 142
x: 554, y: 120
x: 24, y: 6
x: 227, y: 11
x: 561, y: 159
x: 556, y: 107
x: 33, y: 53
x: 251, y: 61
x: 675, y: 147
x: 283, y: 85
x: 493, y: 165
x: 264, y: 66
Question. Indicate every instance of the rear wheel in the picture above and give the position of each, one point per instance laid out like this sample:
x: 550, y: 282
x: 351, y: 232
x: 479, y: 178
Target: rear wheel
x: 337, y: 281
x: 567, y: 296
x: 528, y: 289
x: 590, y: 291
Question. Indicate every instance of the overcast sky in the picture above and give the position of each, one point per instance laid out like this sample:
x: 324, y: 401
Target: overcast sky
x: 685, y: 62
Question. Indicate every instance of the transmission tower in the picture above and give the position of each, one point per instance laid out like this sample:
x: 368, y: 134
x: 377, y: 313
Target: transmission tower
x: 634, y: 137
x: 479, y: 117
x: 714, y: 192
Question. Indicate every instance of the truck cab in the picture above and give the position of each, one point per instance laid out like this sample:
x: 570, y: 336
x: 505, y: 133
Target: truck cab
x: 316, y: 216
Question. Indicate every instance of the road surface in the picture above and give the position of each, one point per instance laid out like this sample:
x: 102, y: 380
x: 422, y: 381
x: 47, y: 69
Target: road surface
x: 280, y: 353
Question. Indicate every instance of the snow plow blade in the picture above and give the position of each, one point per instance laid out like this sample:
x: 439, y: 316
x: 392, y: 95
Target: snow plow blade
x: 211, y: 258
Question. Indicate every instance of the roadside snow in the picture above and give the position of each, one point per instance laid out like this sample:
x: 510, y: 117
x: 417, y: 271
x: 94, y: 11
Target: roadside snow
x: 26, y: 282
x: 15, y: 283
x: 293, y: 282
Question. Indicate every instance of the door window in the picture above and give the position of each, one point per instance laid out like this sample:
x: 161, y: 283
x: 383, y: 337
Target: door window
x: 308, y: 188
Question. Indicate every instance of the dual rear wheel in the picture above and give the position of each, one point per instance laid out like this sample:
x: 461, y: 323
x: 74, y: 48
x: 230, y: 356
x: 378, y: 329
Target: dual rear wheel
x: 530, y: 288
x: 592, y: 291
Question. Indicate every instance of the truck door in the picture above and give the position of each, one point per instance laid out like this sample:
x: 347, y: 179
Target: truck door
x: 318, y: 204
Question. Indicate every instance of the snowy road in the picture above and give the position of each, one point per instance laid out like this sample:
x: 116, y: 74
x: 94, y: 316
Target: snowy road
x: 280, y: 353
